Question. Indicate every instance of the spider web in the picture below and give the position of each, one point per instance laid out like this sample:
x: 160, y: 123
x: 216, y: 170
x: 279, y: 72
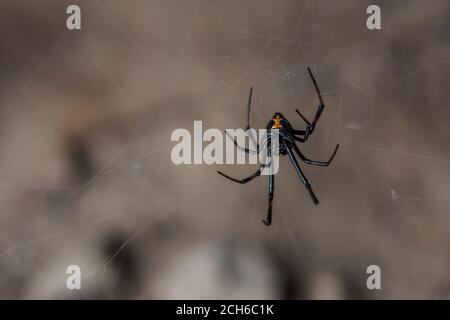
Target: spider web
x: 382, y: 180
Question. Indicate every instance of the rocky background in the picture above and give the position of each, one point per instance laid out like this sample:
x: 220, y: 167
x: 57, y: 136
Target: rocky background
x: 85, y: 170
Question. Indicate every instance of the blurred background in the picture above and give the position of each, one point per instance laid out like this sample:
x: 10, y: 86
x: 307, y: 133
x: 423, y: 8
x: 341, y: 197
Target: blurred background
x: 86, y: 176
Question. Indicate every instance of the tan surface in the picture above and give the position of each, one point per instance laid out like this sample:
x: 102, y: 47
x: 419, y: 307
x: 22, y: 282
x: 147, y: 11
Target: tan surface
x: 85, y: 170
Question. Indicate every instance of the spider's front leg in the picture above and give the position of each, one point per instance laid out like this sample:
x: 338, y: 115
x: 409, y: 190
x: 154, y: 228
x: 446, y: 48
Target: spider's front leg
x: 300, y: 172
x: 268, y: 220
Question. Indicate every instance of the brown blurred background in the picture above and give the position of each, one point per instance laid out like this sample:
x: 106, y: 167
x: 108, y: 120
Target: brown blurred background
x: 85, y: 170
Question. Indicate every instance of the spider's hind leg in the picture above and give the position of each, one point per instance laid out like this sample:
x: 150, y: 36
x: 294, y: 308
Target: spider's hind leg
x: 321, y: 104
x: 310, y: 126
x: 249, y: 103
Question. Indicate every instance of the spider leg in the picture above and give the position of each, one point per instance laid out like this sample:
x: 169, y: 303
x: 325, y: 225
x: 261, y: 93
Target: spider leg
x: 298, y: 138
x: 248, y: 108
x: 301, y: 132
x: 293, y: 136
x: 254, y: 175
x: 246, y: 150
x: 245, y: 180
x: 300, y: 174
x: 303, y: 117
x: 268, y: 220
x: 252, y: 138
x: 311, y: 126
x: 249, y: 103
x: 298, y: 132
x: 242, y: 181
x: 317, y: 163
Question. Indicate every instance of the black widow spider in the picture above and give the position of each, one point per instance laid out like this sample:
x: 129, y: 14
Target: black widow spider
x: 287, y: 136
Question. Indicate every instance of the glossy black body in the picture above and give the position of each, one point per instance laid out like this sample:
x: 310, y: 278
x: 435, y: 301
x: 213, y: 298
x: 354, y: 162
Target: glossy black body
x: 288, y: 136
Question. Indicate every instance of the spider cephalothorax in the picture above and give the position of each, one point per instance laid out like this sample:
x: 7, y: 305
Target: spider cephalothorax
x: 288, y: 136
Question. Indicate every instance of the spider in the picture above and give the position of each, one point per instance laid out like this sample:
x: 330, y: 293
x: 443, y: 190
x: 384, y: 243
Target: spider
x: 288, y: 137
